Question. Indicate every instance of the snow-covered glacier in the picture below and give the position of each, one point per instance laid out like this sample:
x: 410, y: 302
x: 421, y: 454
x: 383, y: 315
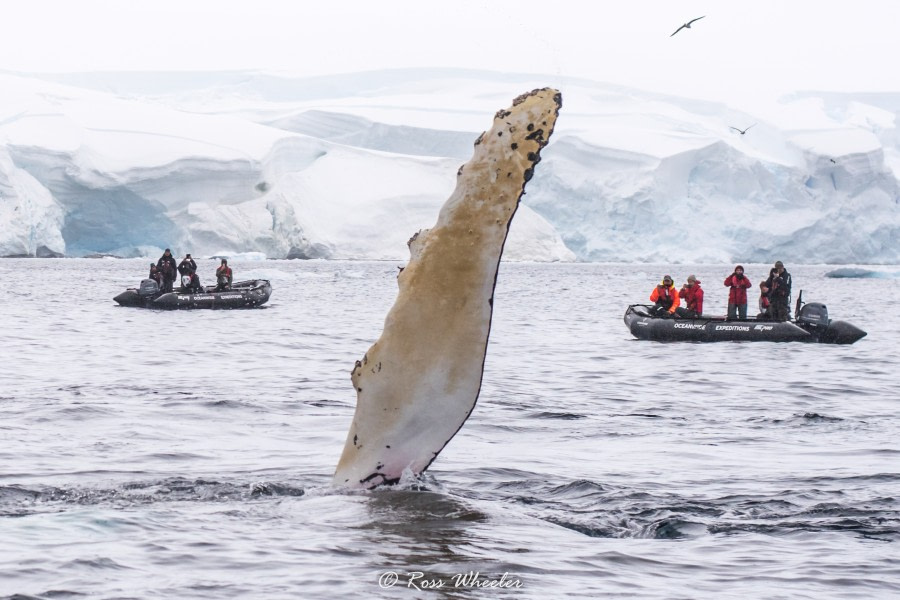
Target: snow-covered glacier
x: 349, y: 166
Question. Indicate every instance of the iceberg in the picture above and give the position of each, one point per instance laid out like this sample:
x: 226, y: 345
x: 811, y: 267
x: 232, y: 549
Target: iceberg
x: 343, y: 166
x: 859, y: 273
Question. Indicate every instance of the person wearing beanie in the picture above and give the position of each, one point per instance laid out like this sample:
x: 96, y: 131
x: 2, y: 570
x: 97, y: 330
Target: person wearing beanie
x: 168, y: 268
x: 764, y: 303
x: 187, y: 266
x: 224, y: 276
x: 665, y: 298
x: 779, y: 284
x: 737, y: 294
x: 155, y: 275
x: 692, y: 294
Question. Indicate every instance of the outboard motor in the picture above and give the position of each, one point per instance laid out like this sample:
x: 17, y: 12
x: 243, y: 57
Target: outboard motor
x: 813, y: 315
x: 149, y: 287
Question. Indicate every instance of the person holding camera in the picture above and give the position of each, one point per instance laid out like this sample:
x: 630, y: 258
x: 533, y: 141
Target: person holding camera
x: 692, y: 294
x: 665, y: 298
x: 737, y: 295
x: 779, y: 284
x: 224, y: 276
x: 187, y: 266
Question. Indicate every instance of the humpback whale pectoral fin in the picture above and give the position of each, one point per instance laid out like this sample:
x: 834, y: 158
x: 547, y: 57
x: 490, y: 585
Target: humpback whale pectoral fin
x: 419, y: 382
x: 415, y: 243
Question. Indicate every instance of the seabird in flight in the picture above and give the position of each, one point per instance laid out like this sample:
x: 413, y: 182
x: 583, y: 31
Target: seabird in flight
x: 687, y: 25
x: 741, y: 131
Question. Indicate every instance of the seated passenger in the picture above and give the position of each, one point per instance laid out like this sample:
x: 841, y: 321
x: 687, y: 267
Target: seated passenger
x: 665, y: 298
x: 195, y: 284
x: 190, y: 284
x: 155, y: 274
x: 693, y: 298
x: 223, y: 276
x: 764, y: 303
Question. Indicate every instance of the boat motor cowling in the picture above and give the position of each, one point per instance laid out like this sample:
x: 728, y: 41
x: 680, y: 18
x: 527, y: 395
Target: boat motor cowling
x: 814, y: 314
x: 149, y: 287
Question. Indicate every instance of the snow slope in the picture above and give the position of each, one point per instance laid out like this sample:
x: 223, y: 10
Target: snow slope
x: 350, y: 166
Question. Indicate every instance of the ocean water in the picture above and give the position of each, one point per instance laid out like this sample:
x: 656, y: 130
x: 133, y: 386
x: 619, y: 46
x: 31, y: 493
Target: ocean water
x: 150, y: 454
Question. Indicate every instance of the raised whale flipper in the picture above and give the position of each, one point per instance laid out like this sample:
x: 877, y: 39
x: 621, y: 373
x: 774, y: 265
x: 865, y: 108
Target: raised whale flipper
x: 419, y: 382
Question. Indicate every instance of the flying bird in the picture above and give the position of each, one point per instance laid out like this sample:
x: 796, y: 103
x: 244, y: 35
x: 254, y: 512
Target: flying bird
x: 687, y: 25
x: 741, y: 131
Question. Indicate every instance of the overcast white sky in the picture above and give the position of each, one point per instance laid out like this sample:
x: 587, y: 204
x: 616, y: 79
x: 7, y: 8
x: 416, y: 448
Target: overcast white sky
x: 766, y: 46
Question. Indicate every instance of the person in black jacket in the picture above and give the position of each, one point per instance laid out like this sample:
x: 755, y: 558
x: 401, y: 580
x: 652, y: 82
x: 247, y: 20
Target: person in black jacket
x: 779, y: 284
x: 166, y: 266
x: 190, y: 284
x: 187, y: 266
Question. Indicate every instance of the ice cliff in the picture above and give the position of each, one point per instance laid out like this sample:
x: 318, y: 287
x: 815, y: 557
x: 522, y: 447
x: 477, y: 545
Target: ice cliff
x: 345, y: 166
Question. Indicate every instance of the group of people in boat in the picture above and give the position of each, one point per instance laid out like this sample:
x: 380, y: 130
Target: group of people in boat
x: 165, y: 271
x: 774, y: 296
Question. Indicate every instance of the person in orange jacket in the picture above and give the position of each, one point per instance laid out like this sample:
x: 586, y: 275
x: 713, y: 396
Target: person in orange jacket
x: 665, y: 298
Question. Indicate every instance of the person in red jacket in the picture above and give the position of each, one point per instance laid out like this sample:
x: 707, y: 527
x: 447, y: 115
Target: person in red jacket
x: 764, y: 304
x: 665, y: 298
x: 737, y: 295
x: 692, y: 294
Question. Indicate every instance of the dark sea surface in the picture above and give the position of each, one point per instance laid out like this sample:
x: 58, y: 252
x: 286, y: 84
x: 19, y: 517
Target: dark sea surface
x: 149, y: 454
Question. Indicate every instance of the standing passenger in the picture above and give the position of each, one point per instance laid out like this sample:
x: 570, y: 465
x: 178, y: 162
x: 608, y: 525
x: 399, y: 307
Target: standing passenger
x: 737, y: 295
x: 166, y: 266
x: 779, y: 284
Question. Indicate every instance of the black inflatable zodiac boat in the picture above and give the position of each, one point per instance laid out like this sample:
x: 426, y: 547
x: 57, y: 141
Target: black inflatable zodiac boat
x: 811, y: 324
x: 243, y: 294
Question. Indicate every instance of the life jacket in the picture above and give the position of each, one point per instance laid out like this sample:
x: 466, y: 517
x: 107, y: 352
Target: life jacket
x: 665, y: 296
